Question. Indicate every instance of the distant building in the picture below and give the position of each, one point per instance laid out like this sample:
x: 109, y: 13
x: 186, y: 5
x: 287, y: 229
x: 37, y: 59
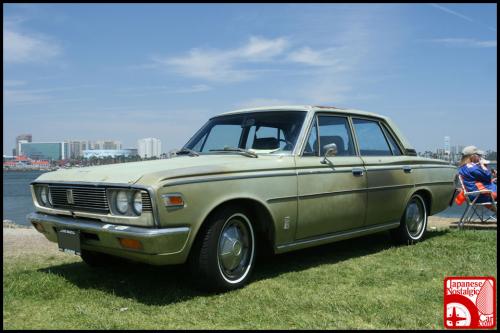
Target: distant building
x: 23, y: 138
x: 149, y: 147
x: 447, y: 145
x: 99, y: 153
x: 45, y: 150
x: 77, y: 147
x: 105, y: 144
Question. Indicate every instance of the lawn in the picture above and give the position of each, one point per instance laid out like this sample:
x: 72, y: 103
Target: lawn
x: 361, y: 283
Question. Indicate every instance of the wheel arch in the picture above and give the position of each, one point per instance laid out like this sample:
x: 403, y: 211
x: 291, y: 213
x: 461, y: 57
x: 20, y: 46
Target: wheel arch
x: 426, y: 195
x: 261, y: 217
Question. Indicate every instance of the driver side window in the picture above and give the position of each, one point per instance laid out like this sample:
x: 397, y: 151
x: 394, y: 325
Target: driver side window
x: 332, y: 129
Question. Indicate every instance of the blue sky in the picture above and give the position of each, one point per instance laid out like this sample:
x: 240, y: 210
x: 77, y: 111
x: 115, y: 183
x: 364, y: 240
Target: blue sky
x: 128, y: 71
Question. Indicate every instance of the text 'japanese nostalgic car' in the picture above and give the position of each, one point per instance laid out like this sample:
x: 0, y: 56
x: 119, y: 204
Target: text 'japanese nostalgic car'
x: 276, y: 178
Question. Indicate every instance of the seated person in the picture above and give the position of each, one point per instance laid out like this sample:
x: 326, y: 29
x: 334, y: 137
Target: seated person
x: 475, y: 174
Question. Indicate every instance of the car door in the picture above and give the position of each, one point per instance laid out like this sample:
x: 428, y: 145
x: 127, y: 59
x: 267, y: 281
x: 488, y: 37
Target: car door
x: 387, y: 173
x: 331, y: 196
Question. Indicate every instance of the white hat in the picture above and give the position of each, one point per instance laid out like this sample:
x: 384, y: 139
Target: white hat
x: 471, y: 150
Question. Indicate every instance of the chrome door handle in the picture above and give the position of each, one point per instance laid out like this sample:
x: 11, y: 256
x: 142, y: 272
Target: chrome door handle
x: 357, y: 171
x: 407, y: 168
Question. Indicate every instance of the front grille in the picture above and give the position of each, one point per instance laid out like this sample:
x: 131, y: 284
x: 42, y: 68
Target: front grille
x: 87, y: 198
x: 83, y: 198
x: 146, y: 202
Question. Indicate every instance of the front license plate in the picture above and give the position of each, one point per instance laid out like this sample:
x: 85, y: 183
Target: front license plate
x: 69, y: 241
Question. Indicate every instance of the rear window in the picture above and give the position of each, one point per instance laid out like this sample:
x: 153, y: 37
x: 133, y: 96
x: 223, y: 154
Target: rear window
x: 371, y: 139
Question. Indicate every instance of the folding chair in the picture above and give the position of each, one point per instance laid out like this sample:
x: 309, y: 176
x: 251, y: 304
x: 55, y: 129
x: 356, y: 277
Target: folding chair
x: 477, y: 208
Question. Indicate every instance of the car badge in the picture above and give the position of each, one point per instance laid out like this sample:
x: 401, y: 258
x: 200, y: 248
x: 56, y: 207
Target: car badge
x: 69, y: 197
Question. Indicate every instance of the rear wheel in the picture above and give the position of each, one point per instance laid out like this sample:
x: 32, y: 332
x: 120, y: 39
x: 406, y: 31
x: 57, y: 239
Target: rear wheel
x: 224, y: 255
x: 413, y: 223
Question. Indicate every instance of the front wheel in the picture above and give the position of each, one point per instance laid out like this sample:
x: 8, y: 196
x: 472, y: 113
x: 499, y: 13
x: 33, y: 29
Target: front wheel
x: 413, y: 223
x: 224, y: 254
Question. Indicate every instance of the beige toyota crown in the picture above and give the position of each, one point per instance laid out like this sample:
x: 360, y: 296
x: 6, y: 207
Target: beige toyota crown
x: 249, y: 181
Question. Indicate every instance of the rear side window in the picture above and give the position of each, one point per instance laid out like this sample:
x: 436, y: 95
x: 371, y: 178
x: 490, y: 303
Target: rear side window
x: 394, y: 146
x: 371, y: 139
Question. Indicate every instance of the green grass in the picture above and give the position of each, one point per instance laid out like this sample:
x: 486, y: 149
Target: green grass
x: 360, y: 283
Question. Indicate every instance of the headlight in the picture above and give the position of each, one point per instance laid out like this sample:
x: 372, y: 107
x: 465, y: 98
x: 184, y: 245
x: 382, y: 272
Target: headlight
x: 44, y: 195
x: 138, y: 202
x: 122, y: 202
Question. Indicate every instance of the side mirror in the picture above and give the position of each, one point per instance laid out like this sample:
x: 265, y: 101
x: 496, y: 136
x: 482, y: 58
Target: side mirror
x: 330, y: 150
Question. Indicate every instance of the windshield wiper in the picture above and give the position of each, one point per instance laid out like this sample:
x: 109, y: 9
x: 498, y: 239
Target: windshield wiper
x: 187, y: 151
x: 243, y: 152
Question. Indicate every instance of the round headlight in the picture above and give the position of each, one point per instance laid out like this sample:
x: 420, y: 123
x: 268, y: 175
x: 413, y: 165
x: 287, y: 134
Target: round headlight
x: 122, y: 202
x: 138, y: 203
x: 44, y: 195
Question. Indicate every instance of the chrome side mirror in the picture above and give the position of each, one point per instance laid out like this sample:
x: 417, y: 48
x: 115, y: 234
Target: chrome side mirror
x: 330, y: 150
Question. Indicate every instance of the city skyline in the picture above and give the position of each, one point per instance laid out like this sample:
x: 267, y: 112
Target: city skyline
x: 145, y: 147
x: 431, y: 68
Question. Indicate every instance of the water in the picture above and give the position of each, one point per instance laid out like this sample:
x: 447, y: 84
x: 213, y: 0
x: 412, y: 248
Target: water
x: 17, y: 202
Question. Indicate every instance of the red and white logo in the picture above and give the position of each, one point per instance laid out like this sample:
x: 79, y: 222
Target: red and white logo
x: 470, y: 302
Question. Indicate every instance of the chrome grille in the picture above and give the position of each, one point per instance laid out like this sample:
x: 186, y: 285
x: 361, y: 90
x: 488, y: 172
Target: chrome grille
x: 83, y: 198
x: 146, y: 202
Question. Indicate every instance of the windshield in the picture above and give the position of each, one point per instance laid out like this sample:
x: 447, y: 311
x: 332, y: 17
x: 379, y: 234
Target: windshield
x: 260, y: 132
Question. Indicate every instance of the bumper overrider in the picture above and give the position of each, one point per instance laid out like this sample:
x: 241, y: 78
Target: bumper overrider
x: 161, y: 246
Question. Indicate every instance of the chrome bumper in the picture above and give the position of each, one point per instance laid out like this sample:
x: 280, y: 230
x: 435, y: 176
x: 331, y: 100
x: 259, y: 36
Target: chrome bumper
x: 159, y: 246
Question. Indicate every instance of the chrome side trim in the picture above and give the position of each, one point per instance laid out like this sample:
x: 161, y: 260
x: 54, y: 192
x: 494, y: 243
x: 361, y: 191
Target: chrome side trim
x: 401, y: 167
x: 433, y: 166
x: 314, y: 171
x: 323, y: 194
x: 222, y: 178
x: 436, y: 183
x: 389, y: 187
x: 337, y: 236
x: 383, y: 168
x: 281, y: 199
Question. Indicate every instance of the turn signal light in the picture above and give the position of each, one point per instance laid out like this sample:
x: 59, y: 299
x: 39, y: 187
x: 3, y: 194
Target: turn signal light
x: 173, y: 200
x: 130, y: 243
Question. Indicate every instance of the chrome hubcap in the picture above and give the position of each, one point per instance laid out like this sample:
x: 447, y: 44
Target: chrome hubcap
x: 415, y: 217
x: 235, y: 248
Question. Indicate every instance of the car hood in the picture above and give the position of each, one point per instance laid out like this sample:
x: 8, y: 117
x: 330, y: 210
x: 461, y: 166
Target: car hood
x: 151, y: 172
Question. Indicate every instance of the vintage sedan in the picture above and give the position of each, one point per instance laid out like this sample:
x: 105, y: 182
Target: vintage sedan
x: 250, y: 181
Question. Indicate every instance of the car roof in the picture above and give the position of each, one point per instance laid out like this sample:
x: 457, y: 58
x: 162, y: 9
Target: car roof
x: 307, y: 108
x: 329, y: 109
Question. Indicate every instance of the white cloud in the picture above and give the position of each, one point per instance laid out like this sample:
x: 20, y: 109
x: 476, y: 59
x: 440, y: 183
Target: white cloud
x: 308, y: 56
x: 465, y: 42
x: 224, y: 65
x: 261, y: 49
x: 23, y: 48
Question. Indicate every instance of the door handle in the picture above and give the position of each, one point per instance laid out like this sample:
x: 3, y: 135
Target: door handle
x: 407, y: 168
x: 357, y: 171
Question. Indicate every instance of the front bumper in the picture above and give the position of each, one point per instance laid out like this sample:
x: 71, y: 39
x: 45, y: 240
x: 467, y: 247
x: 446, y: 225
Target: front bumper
x: 159, y: 246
